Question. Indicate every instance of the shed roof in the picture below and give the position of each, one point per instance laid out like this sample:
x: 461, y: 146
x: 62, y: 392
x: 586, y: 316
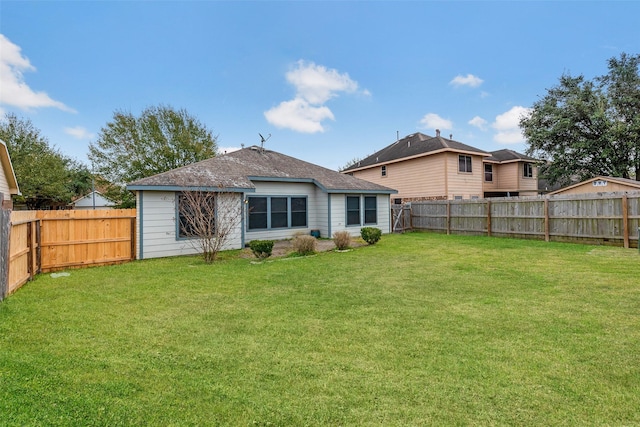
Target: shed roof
x: 635, y: 185
x: 414, y: 145
x: 238, y: 170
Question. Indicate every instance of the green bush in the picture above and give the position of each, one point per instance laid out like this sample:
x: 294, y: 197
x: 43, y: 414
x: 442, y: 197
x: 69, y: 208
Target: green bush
x: 342, y: 239
x: 371, y: 235
x: 261, y: 248
x: 304, y: 245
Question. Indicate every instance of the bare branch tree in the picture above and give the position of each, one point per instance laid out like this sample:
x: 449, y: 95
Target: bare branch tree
x: 209, y: 219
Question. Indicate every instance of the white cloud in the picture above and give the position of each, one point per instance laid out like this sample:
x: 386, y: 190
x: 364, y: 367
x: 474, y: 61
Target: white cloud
x: 79, y: 132
x: 434, y: 121
x: 507, y: 126
x: 478, y: 122
x: 15, y: 92
x: 299, y: 115
x: 315, y: 85
x: 468, y: 80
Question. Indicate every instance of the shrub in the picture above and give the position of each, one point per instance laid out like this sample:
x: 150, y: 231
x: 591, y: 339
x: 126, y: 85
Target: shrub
x: 342, y: 239
x: 261, y: 248
x: 371, y: 235
x: 304, y: 245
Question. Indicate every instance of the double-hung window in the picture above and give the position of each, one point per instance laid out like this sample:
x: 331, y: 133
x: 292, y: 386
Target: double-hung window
x: 527, y: 170
x: 464, y: 163
x: 356, y: 215
x: 488, y: 172
x: 270, y: 212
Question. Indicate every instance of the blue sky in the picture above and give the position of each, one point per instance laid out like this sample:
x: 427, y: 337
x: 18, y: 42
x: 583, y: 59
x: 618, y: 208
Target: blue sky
x: 330, y: 81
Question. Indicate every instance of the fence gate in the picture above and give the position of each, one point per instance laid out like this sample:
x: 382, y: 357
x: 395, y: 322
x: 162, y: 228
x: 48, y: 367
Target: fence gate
x: 401, y: 218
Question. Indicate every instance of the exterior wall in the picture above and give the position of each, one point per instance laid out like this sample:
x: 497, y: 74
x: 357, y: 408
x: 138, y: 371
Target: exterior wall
x: 414, y: 179
x: 156, y: 227
x: 464, y: 184
x: 87, y: 203
x: 339, y: 214
x: 314, y: 203
x: 510, y: 178
x: 491, y: 185
x: 4, y: 186
x: 588, y: 187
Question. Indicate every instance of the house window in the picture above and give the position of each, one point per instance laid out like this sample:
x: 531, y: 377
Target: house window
x: 457, y: 197
x: 383, y: 170
x: 370, y: 210
x: 488, y: 172
x: 257, y: 213
x: 527, y: 169
x: 196, y: 215
x: 353, y: 210
x: 277, y: 212
x: 464, y: 163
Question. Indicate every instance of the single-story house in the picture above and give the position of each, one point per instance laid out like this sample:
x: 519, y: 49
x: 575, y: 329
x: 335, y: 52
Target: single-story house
x: 279, y: 196
x: 8, y: 182
x: 600, y: 184
x: 93, y: 200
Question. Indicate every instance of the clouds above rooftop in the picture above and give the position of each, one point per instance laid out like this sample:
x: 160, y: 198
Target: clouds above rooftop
x: 507, y: 126
x: 468, y: 80
x: 79, y: 132
x: 15, y: 91
x: 315, y: 85
x: 432, y: 121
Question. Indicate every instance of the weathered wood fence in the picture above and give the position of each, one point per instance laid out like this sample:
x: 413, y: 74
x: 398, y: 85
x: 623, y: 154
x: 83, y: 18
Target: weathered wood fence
x: 43, y: 241
x: 602, y: 218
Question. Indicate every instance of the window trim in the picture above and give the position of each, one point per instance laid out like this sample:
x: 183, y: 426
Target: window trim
x: 383, y: 170
x: 346, y: 211
x: 527, y: 170
x: 468, y: 169
x: 269, y: 212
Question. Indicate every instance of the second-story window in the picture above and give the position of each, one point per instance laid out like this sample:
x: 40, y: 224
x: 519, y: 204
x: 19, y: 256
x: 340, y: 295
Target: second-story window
x: 464, y: 163
x: 488, y: 172
x: 383, y: 170
x: 527, y: 170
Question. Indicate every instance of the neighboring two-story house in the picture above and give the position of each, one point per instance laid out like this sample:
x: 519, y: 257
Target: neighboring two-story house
x: 423, y: 167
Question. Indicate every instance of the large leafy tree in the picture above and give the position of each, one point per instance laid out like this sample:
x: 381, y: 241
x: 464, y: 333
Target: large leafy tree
x: 160, y: 139
x: 587, y: 128
x: 44, y: 175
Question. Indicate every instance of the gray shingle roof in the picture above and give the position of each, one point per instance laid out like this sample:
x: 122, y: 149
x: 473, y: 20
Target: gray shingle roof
x: 414, y: 145
x: 235, y: 171
x: 508, y: 155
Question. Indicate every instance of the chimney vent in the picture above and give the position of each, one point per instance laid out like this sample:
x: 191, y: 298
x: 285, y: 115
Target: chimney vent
x: 437, y: 132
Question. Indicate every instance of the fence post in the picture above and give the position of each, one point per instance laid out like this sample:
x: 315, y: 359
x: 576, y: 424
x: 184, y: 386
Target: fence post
x: 489, y: 218
x: 448, y: 216
x: 546, y: 219
x: 5, y: 234
x: 625, y: 221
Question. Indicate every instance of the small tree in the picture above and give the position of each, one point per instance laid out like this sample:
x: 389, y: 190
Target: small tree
x: 208, y: 219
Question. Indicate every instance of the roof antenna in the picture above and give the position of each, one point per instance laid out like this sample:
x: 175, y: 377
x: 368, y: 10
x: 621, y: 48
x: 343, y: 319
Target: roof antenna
x: 263, y: 140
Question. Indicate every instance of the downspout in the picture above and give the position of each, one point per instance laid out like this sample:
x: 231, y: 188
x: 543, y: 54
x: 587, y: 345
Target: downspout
x: 329, y: 214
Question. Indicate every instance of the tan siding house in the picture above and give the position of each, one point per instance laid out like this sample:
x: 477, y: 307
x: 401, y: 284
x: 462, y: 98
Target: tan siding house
x: 8, y: 182
x: 601, y: 184
x: 422, y: 167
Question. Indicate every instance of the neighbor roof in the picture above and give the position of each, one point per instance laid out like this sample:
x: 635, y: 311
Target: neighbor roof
x: 624, y: 181
x: 414, y: 145
x: 8, y: 169
x: 237, y: 171
x: 506, y: 156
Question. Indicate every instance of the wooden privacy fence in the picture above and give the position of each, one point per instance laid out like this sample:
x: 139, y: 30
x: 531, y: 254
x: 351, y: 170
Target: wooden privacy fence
x: 602, y: 218
x: 43, y: 241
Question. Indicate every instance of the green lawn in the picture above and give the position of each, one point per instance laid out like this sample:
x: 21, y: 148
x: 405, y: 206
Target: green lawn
x: 420, y: 329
